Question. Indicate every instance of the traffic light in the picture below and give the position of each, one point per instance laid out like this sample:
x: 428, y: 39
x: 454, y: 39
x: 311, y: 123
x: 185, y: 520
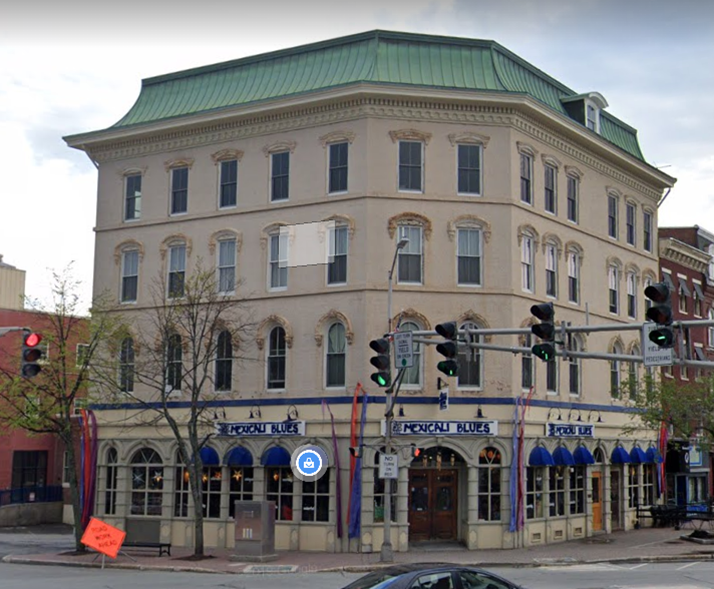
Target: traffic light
x: 354, y: 451
x: 449, y: 349
x: 381, y: 362
x: 661, y: 313
x: 31, y: 355
x: 415, y: 451
x: 545, y: 330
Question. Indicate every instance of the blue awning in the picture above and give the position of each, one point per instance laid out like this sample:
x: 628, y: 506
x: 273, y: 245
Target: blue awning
x: 654, y: 455
x: 637, y: 455
x: 209, y: 456
x: 276, y: 456
x: 583, y: 456
x: 563, y: 457
x: 620, y: 456
x: 540, y: 457
x: 239, y: 456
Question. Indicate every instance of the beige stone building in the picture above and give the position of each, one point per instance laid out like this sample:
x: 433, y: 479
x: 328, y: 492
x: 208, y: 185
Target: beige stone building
x: 12, y: 286
x: 512, y: 190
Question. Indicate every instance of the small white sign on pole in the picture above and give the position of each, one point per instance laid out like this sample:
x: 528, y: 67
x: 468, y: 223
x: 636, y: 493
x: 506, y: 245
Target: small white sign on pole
x: 444, y: 399
x: 652, y: 354
x: 388, y: 466
x: 403, y: 350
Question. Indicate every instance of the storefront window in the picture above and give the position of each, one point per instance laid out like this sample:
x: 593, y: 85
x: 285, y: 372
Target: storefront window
x: 211, y: 482
x: 280, y: 489
x: 534, y: 492
x: 648, y: 484
x: 110, y: 491
x: 181, y: 489
x: 633, y: 485
x: 241, y: 487
x: 147, y: 482
x: 489, y: 485
x: 577, y: 490
x: 379, y: 494
x: 316, y: 499
x: 556, y: 500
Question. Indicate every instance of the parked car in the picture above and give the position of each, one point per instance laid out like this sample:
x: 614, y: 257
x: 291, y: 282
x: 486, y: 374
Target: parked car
x: 431, y: 576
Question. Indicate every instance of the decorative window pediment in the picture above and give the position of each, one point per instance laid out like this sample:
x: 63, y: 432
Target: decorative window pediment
x: 530, y: 231
x: 343, y: 220
x: 616, y: 345
x: 227, y: 154
x: 410, y: 135
x: 472, y: 316
x: 284, y: 145
x: 337, y: 137
x: 614, y: 261
x: 267, y: 324
x: 574, y: 171
x: 553, y: 239
x: 333, y: 316
x: 412, y: 314
x: 612, y: 191
x: 526, y: 148
x: 224, y: 234
x: 175, y: 239
x: 631, y: 268
x: 469, y: 222
x: 179, y: 163
x: 551, y: 160
x: 269, y: 230
x: 648, y: 274
x: 469, y: 138
x: 409, y: 219
x: 133, y: 171
x: 574, y: 246
x: 128, y: 244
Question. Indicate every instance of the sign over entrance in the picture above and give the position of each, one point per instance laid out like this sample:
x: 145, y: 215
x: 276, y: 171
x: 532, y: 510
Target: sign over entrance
x: 481, y: 427
x: 570, y: 430
x: 388, y: 466
x: 261, y: 428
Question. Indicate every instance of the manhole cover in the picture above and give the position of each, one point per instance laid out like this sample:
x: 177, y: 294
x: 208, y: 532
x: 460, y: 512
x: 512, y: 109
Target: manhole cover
x: 271, y: 568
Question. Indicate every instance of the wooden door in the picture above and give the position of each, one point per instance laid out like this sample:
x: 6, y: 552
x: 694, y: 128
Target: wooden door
x: 597, y: 500
x: 433, y: 504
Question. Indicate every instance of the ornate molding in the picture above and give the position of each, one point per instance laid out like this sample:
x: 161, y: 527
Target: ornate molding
x: 227, y: 154
x: 179, y: 163
x: 472, y: 316
x: 528, y: 229
x: 551, y: 160
x: 552, y: 238
x: 526, y: 148
x: 337, y: 136
x: 649, y: 273
x: 409, y: 218
x: 469, y: 221
x: 611, y: 190
x: 133, y: 171
x: 176, y: 237
x: 221, y: 233
x: 278, y: 146
x: 410, y: 135
x: 684, y: 254
x: 333, y: 316
x: 615, y: 341
x: 574, y: 171
x: 343, y: 220
x: 632, y: 268
x: 268, y: 230
x: 469, y: 138
x: 613, y: 261
x: 574, y: 246
x: 272, y: 321
x: 128, y: 244
x: 411, y: 313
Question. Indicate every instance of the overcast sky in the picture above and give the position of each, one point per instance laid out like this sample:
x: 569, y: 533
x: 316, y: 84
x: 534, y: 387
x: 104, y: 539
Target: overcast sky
x: 70, y: 67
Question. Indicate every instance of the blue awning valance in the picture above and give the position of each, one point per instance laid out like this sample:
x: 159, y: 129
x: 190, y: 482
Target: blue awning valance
x: 540, y: 457
x: 239, y: 456
x: 637, y: 455
x: 209, y: 456
x: 276, y: 456
x: 620, y: 456
x: 563, y: 457
x: 583, y: 456
x: 654, y: 455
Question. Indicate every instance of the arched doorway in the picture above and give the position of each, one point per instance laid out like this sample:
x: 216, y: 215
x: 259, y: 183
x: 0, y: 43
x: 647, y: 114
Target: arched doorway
x: 434, y: 494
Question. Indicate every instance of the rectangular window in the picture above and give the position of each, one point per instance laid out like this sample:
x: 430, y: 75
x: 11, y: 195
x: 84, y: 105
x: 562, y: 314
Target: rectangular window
x: 633, y: 485
x: 630, y: 221
x: 469, y: 169
x: 647, y: 231
x: 410, y: 165
x: 573, y: 186
x: 280, y: 176
x: 181, y: 492
x: 591, y: 118
x: 129, y: 276
x: 469, y: 362
x: 612, y: 216
x: 279, y: 483
x: 526, y: 175
x: 573, y: 277
x: 527, y: 366
x: 551, y: 174
x: 631, y: 295
x: 574, y: 376
x: 527, y: 263
x: 648, y: 484
x: 551, y: 376
x: 337, y: 263
x: 132, y: 197
x: 577, y: 490
x: 279, y: 261
x: 697, y: 300
x: 338, y: 167
x: 211, y: 479
x: 226, y: 265
x: 229, y: 184
x: 534, y: 492
x: 29, y: 468
x: 179, y: 191
x: 556, y: 492
x: 241, y: 487
x: 111, y: 489
x: 410, y: 256
x: 316, y: 499
x: 65, y: 468
x: 177, y: 270
x: 82, y: 351
x: 469, y: 257
x: 613, y: 278
x: 551, y: 271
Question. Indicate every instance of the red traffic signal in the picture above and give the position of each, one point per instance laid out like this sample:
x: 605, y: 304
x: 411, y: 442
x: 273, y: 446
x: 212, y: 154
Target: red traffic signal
x: 31, y: 355
x: 32, y: 339
x: 415, y: 451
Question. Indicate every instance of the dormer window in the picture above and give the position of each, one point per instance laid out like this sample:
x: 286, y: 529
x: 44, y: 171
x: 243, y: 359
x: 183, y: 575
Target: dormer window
x: 585, y: 109
x: 591, y: 120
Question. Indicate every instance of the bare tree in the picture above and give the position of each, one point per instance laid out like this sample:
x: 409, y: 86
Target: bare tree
x: 45, y: 403
x: 183, y: 348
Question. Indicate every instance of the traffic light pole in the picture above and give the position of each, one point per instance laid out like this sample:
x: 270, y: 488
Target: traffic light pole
x: 386, y: 553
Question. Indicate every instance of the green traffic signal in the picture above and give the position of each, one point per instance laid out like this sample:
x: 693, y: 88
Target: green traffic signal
x: 545, y: 352
x: 664, y: 337
x: 381, y: 362
x: 449, y: 349
x: 383, y: 379
x: 448, y: 367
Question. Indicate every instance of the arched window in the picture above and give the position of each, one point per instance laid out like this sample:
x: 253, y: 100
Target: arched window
x: 599, y: 456
x: 527, y: 364
x: 489, y: 485
x: 276, y: 358
x: 574, y: 369
x: 412, y: 376
x: 633, y: 380
x: 126, y: 365
x: 174, y: 359
x: 335, y: 360
x: 470, y: 362
x: 182, y: 491
x: 147, y: 482
x: 615, y: 373
x: 110, y: 489
x: 224, y: 361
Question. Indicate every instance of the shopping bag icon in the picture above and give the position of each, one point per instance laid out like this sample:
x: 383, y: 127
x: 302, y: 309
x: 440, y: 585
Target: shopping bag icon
x: 308, y: 463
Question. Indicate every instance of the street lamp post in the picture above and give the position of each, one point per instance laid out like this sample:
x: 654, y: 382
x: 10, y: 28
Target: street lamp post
x: 386, y: 554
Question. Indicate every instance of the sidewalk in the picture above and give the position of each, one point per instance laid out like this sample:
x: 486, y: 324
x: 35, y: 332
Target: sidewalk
x: 648, y: 544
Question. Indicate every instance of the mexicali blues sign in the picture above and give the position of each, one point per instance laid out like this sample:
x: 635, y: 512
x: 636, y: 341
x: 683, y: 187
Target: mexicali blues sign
x: 261, y: 428
x: 570, y: 430
x: 482, y: 427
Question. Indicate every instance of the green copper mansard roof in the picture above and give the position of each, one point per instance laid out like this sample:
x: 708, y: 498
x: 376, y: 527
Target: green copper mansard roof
x: 376, y: 57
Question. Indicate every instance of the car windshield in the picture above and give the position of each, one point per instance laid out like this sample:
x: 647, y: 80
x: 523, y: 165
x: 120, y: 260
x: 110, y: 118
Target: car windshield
x: 378, y: 580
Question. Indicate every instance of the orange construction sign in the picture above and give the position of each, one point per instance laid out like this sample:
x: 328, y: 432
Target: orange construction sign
x: 103, y: 537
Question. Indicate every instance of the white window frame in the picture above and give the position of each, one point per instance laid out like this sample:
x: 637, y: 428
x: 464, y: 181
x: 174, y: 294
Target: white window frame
x: 527, y: 159
x: 479, y: 256
x: 267, y: 360
x: 273, y: 155
x: 574, y: 182
x: 589, y: 106
x: 329, y: 167
x: 632, y: 295
x: 551, y: 266
x: 220, y: 183
x: 137, y: 210
x: 631, y: 223
x: 546, y: 168
x: 174, y: 171
x: 175, y: 247
x: 645, y: 283
x: 124, y: 276
x: 552, y: 365
x: 647, y: 234
x: 575, y: 363
x: 78, y: 354
x: 479, y: 150
x: 616, y: 374
x: 421, y: 166
x: 613, y: 198
x: 327, y: 355
x: 419, y: 357
x: 574, y: 274
x: 478, y: 358
x: 404, y: 231
x: 221, y: 265
x: 527, y: 263
x: 280, y: 258
x: 697, y: 302
x: 613, y: 280
x: 333, y: 253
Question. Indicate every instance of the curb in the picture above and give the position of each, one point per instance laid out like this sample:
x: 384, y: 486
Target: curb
x: 10, y: 559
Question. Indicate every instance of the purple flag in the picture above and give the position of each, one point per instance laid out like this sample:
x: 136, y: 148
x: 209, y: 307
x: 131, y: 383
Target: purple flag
x: 514, y: 471
x: 355, y: 523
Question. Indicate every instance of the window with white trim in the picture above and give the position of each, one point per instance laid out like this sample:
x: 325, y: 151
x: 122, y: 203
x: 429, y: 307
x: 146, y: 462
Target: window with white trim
x: 697, y: 300
x: 591, y: 117
x: 573, y: 189
x: 648, y: 484
x: 228, y: 184
x: 574, y: 277
x: 111, y: 482
x: 337, y: 181
x: 647, y: 231
x: 316, y: 499
x: 177, y: 270
x: 551, y: 376
x: 577, y: 490
x: 633, y: 377
x: 379, y: 493
x: 574, y: 369
x: 615, y: 377
x: 556, y: 491
x: 551, y: 189
x: 409, y: 262
x: 335, y: 356
x: 278, y: 263
x: 470, y: 363
x: 411, y: 166
x: 631, y: 295
x: 174, y: 363
x: 277, y: 356
x: 648, y: 303
x: 527, y: 365
x: 132, y: 197
x: 241, y: 486
x: 682, y: 296
x: 526, y: 178
x: 535, y: 489
x: 630, y: 211
x: 129, y: 276
x: 551, y: 270
x: 280, y: 176
x: 612, y: 202
x: 613, y: 279
x: 633, y: 485
x: 279, y: 488
x: 337, y: 263
x: 412, y: 376
x: 126, y: 365
x: 224, y: 361
x: 469, y: 256
x: 527, y: 245
x: 469, y: 169
x: 179, y: 190
x: 488, y: 491
x: 147, y: 483
x: 226, y: 266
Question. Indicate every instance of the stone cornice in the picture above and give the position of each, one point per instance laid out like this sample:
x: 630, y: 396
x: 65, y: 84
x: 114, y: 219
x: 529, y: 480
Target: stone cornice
x: 516, y: 114
x: 684, y: 254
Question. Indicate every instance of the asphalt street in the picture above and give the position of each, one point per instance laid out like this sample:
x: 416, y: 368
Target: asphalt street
x: 36, y: 540
x: 679, y: 575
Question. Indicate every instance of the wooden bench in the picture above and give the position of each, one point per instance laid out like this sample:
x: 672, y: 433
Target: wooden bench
x: 145, y: 534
